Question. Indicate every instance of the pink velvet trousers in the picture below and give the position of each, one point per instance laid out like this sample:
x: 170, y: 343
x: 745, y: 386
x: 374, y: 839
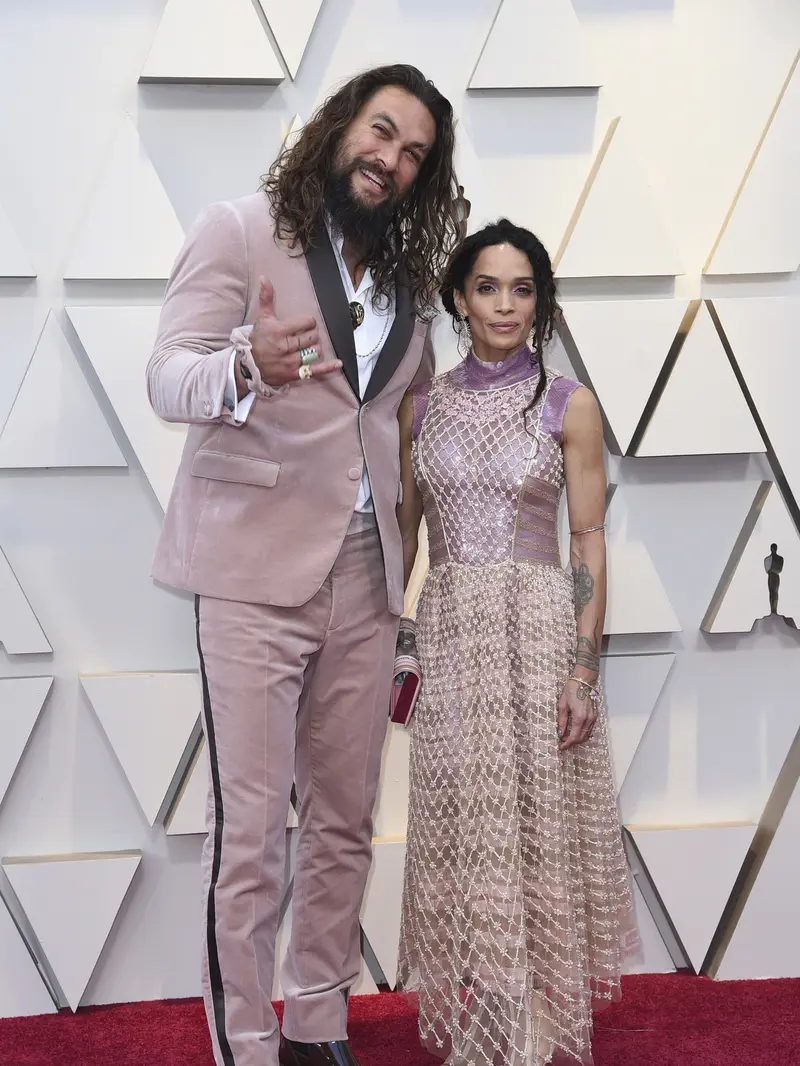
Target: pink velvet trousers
x: 291, y: 693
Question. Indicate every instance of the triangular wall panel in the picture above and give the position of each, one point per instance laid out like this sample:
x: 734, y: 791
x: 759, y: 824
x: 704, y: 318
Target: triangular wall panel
x: 486, y: 200
x: 622, y: 345
x: 119, y: 342
x: 89, y: 890
x: 23, y: 993
x: 292, y: 132
x: 152, y: 723
x: 21, y: 701
x: 130, y: 230
x: 616, y: 229
x: 562, y: 64
x: 637, y: 600
x: 762, y: 333
x: 694, y: 870
x: 766, y: 940
x: 364, y: 984
x: 418, y: 573
x: 633, y: 685
x: 761, y: 233
x: 655, y: 956
x: 14, y: 262
x: 55, y: 421
x: 285, y: 917
x: 390, y: 817
x: 211, y: 41
x: 20, y: 632
x: 743, y: 594
x: 281, y: 947
x: 702, y: 410
x: 292, y: 25
x: 21, y: 322
x: 381, y: 909
x: 188, y: 814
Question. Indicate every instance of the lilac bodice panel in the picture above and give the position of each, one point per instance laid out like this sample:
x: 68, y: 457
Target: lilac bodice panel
x: 490, y: 487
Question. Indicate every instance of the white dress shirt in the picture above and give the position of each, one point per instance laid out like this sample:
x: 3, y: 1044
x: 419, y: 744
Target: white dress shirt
x: 369, y: 340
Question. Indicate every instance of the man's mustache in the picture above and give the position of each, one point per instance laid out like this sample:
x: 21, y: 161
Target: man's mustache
x: 377, y: 170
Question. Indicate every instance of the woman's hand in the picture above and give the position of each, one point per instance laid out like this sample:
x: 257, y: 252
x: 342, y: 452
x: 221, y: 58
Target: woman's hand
x: 576, y: 715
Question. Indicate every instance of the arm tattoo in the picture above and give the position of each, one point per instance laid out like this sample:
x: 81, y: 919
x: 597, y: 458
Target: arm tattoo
x: 584, y: 587
x: 586, y: 655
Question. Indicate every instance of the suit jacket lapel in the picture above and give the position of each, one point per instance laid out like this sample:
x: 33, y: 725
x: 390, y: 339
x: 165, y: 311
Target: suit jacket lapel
x: 324, y: 271
x: 395, y: 345
x: 327, y: 280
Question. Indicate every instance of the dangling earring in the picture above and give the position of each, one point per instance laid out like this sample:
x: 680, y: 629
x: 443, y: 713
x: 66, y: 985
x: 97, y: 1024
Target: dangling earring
x: 464, y: 336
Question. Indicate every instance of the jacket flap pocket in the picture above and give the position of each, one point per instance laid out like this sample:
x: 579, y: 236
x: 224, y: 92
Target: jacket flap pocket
x: 243, y: 469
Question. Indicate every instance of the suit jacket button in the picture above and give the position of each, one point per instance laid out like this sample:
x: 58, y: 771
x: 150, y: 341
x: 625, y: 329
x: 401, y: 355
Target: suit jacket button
x: 354, y: 473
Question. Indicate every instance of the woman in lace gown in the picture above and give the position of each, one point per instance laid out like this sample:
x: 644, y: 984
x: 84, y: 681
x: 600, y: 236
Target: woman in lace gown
x: 517, y: 912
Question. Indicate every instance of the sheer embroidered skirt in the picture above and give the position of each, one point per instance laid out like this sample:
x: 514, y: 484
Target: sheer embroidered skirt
x: 517, y: 910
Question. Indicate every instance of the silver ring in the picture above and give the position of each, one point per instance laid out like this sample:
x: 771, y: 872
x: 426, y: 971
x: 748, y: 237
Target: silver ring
x: 308, y: 356
x: 304, y: 373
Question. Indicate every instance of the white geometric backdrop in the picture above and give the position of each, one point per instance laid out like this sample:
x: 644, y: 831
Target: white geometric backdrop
x: 655, y: 148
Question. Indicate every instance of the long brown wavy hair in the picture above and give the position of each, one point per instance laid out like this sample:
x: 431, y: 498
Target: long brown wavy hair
x: 425, y: 226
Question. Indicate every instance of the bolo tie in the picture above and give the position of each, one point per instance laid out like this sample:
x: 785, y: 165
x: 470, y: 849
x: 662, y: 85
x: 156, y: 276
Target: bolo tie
x: 356, y: 314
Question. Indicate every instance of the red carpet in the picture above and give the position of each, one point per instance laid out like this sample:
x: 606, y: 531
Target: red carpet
x: 668, y: 1020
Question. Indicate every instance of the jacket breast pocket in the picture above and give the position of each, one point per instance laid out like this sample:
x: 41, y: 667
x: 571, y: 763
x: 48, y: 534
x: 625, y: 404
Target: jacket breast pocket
x: 242, y: 469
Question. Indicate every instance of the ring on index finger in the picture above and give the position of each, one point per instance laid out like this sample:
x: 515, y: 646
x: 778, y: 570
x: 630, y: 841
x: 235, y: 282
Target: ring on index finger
x: 308, y: 356
x: 304, y: 373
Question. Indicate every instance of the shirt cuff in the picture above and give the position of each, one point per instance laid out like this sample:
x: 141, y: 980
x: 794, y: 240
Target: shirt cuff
x: 240, y: 339
x: 239, y: 409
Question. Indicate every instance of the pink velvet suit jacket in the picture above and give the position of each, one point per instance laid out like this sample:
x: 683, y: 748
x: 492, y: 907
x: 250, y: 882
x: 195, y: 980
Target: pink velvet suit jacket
x: 259, y: 511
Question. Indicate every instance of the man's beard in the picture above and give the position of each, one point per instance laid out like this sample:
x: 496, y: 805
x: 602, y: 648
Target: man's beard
x: 366, y: 225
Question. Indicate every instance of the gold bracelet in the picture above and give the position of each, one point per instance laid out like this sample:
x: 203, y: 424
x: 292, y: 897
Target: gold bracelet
x: 591, y: 529
x: 595, y: 693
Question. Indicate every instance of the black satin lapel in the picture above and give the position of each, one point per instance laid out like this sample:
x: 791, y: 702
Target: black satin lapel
x: 395, y: 346
x: 324, y: 271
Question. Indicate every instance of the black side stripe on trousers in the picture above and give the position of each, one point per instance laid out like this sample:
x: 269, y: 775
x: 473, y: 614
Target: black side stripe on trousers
x: 214, y: 972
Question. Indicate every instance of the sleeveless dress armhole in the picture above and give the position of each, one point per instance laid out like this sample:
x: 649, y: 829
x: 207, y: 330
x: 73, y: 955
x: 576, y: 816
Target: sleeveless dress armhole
x: 559, y: 392
x: 419, y: 402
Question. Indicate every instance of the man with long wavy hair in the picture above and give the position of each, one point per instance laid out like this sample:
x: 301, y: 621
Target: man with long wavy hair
x: 294, y: 322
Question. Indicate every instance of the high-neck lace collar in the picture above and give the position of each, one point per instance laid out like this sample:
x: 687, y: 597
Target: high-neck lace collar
x: 474, y: 373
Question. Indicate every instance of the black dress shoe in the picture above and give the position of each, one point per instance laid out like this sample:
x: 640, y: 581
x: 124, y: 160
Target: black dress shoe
x: 329, y: 1053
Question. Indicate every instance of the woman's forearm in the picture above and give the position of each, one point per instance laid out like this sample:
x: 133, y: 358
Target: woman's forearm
x: 588, y: 558
x: 410, y: 549
x: 409, y: 510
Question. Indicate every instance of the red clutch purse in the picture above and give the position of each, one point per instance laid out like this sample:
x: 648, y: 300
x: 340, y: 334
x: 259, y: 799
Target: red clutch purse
x: 407, y: 676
